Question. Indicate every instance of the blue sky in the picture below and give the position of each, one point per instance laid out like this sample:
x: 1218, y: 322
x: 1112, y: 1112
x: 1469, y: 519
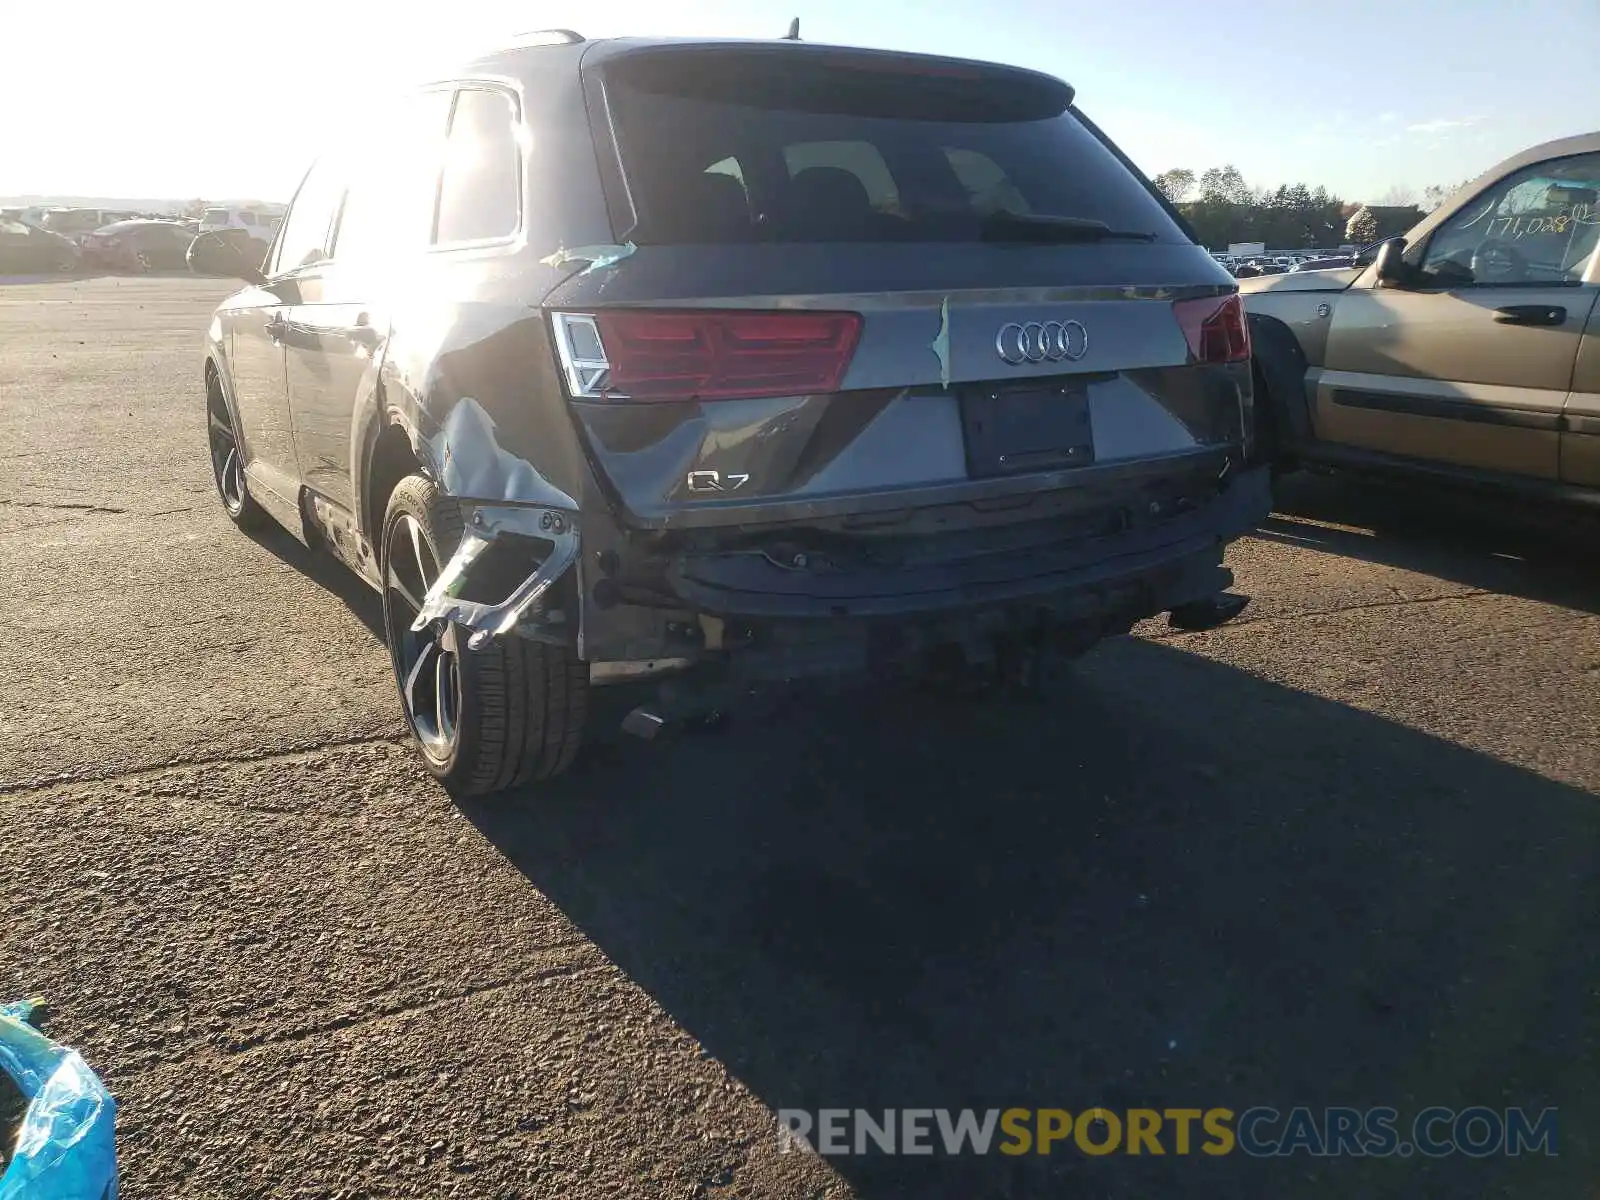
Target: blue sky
x: 1359, y: 95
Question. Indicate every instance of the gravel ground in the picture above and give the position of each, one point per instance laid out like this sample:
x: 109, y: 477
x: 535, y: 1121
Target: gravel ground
x: 13, y: 1106
x: 1342, y: 851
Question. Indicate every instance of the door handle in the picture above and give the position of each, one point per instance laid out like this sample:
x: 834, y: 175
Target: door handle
x: 1531, y: 314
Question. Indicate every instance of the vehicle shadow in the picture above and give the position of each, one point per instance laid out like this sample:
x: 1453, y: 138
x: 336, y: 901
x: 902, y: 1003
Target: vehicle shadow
x: 1174, y: 885
x: 327, y: 572
x: 1545, y: 552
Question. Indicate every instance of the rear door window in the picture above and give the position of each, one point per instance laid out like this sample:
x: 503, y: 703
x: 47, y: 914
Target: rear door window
x: 394, y: 182
x: 304, y: 241
x: 480, y: 197
x: 736, y: 147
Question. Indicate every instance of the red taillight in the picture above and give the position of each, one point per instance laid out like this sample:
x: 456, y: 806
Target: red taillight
x: 702, y: 355
x: 1215, y: 328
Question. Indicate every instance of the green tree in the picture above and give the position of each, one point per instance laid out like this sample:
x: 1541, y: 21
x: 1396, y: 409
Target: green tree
x: 1176, y: 184
x: 1436, y: 194
x: 1227, y: 209
x: 1362, y: 228
x: 1224, y: 184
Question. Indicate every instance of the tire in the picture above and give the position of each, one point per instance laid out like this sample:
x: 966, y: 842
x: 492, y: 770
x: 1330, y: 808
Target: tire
x: 227, y: 463
x: 508, y: 714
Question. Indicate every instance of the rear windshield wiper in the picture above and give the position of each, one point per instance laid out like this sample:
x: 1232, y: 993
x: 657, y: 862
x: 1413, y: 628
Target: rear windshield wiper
x: 1019, y: 227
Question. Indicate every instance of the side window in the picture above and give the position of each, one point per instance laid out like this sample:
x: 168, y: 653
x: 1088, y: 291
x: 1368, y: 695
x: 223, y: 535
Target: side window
x: 304, y: 240
x: 727, y: 166
x: 394, y: 181
x: 480, y: 195
x: 830, y: 161
x: 1538, y: 226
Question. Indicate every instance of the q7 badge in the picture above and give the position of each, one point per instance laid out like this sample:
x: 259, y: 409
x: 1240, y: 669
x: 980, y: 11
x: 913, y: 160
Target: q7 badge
x: 715, y: 481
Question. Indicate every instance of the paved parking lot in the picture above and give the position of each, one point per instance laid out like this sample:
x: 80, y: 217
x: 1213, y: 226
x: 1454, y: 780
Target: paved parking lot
x: 1340, y: 852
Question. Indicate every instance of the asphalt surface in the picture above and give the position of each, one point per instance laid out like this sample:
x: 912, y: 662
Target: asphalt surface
x: 1342, y: 851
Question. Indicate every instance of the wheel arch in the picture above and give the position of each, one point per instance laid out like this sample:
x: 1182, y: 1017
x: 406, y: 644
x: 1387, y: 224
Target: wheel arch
x: 215, y: 374
x: 389, y: 456
x: 1280, y: 366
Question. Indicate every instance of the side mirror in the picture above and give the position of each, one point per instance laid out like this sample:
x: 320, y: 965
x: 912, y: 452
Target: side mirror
x: 1389, y: 262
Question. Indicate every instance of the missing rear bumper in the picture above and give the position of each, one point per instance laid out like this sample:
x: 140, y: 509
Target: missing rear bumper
x: 487, y: 524
x: 1128, y: 537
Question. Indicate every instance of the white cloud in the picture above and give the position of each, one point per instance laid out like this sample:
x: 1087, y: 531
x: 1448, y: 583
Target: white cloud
x: 1387, y: 118
x: 1442, y: 125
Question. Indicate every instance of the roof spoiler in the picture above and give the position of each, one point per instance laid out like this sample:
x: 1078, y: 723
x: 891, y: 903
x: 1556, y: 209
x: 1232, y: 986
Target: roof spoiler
x: 549, y: 37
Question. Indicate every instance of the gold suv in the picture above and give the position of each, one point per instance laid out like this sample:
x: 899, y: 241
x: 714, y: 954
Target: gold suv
x: 1467, y: 349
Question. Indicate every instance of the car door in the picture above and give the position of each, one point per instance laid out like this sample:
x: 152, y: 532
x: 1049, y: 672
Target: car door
x: 1468, y: 361
x: 337, y: 324
x: 256, y: 323
x: 18, y: 250
x: 172, y: 246
x: 1580, y: 426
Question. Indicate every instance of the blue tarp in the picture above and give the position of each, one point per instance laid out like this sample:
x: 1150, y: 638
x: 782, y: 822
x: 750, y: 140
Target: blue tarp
x: 66, y: 1149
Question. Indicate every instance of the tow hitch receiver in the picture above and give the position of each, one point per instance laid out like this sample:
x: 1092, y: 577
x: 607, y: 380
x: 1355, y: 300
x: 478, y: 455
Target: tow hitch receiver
x: 1200, y: 615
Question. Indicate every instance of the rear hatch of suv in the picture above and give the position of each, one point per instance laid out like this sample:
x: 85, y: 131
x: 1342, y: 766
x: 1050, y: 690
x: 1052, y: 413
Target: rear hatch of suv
x: 866, y: 289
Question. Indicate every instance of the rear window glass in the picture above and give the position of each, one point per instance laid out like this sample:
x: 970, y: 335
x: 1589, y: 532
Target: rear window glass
x: 884, y: 159
x: 215, y: 216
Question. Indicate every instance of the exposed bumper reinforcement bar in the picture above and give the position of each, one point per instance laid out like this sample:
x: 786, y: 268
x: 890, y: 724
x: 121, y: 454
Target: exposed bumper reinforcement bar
x: 748, y: 585
x: 489, y: 621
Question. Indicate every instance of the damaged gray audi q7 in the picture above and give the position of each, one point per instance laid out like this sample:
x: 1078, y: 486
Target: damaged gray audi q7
x: 746, y: 360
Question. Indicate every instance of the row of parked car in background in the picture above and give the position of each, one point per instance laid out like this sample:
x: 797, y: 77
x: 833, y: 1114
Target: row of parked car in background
x: 38, y: 241
x: 1244, y: 267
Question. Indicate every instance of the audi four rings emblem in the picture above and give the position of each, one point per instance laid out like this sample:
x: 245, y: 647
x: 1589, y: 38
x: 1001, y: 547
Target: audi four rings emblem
x: 1041, y: 341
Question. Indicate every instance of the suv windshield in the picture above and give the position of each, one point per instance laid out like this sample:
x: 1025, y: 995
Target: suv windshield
x: 873, y: 153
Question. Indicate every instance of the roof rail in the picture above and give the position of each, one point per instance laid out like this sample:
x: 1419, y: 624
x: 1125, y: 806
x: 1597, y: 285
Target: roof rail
x: 549, y: 37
